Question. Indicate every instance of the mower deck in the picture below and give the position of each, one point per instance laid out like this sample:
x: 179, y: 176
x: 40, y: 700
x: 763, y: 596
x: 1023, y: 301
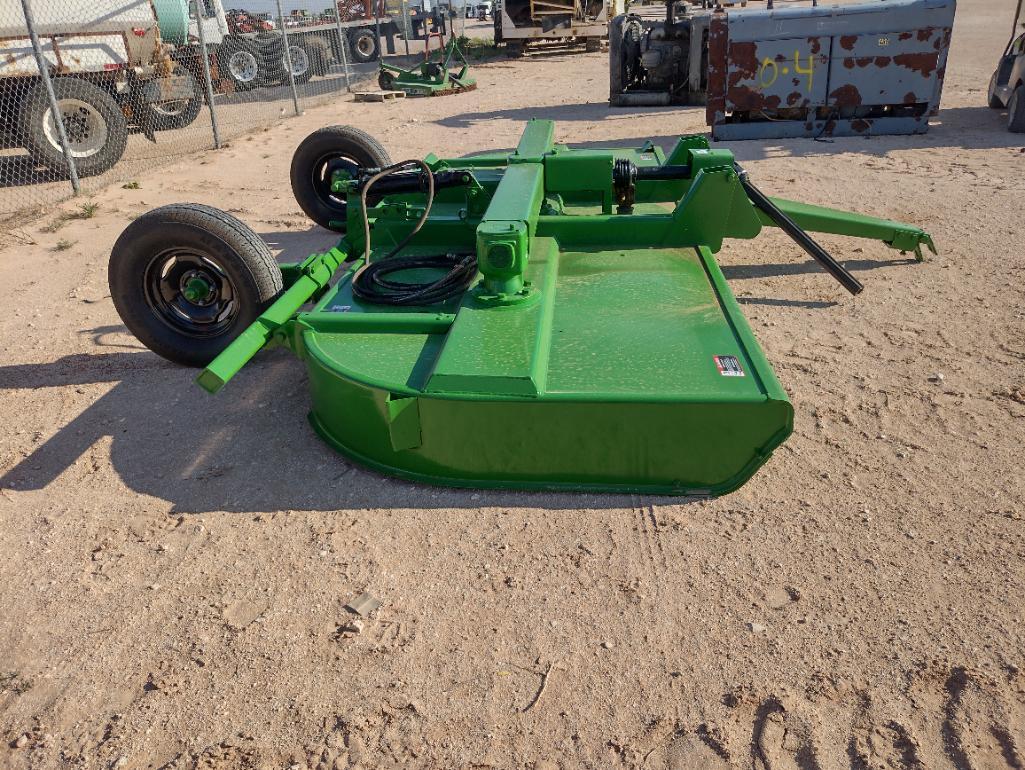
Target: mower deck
x: 549, y: 318
x: 607, y: 380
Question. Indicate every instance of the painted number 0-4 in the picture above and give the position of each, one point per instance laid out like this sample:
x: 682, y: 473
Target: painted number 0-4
x: 771, y: 70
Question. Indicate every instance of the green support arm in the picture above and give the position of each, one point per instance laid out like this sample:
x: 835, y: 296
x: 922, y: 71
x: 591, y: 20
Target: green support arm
x: 820, y: 219
x: 312, y: 275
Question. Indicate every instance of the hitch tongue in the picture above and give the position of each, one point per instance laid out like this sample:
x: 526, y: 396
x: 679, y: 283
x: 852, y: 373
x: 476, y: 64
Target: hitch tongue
x: 314, y: 275
x: 791, y: 228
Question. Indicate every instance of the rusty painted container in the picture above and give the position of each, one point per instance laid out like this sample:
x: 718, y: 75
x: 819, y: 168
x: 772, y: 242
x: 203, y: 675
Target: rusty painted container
x: 828, y: 71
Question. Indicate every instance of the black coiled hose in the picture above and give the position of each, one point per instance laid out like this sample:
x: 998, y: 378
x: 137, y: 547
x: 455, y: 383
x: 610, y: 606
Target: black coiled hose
x: 370, y: 283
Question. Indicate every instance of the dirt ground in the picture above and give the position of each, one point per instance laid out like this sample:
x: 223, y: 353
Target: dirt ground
x: 175, y: 566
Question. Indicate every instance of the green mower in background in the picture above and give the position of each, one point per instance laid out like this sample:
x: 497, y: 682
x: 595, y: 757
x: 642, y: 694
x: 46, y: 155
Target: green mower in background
x: 435, y: 76
x: 549, y: 318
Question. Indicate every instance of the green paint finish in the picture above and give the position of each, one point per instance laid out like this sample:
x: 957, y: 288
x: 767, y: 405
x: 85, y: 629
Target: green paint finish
x: 597, y: 351
x: 515, y: 360
x: 535, y: 143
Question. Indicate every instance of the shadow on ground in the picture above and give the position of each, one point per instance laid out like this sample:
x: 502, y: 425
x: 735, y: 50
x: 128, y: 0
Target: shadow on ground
x: 249, y: 449
x: 973, y: 128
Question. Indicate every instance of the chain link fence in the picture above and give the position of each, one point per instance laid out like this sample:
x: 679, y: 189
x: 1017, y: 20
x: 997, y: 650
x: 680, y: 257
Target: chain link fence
x: 139, y: 82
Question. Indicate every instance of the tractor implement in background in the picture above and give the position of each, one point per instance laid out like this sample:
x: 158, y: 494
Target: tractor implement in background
x: 549, y: 318
x: 438, y: 75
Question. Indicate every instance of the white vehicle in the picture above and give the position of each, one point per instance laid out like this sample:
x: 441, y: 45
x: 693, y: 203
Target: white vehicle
x: 518, y: 23
x: 109, y: 67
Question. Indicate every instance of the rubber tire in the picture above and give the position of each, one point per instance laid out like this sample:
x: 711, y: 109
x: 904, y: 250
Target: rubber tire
x: 345, y: 140
x: 1016, y: 110
x: 993, y: 101
x: 385, y: 80
x: 233, y: 46
x: 35, y: 108
x: 304, y: 78
x: 355, y: 35
x: 270, y: 53
x: 319, y: 51
x: 163, y: 122
x: 241, y: 253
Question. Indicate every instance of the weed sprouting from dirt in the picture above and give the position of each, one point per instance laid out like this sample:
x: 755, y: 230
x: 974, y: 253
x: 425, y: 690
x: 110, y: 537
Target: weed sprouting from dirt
x: 85, y: 211
x: 477, y: 47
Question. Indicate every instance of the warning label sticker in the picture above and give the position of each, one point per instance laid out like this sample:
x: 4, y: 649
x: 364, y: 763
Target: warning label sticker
x: 728, y: 366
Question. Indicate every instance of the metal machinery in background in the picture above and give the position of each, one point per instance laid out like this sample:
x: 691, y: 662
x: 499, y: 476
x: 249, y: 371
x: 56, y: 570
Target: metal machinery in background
x: 435, y: 76
x: 872, y: 68
x: 549, y: 318
x: 1007, y: 86
x: 521, y: 23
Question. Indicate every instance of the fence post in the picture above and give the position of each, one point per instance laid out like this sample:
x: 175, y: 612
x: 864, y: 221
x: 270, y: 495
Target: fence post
x: 377, y: 31
x: 407, y: 25
x: 288, y: 59
x: 55, y: 113
x: 342, y: 42
x: 204, y: 57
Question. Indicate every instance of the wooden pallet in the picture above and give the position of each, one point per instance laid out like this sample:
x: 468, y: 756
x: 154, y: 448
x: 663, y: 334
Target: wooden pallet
x: 379, y: 96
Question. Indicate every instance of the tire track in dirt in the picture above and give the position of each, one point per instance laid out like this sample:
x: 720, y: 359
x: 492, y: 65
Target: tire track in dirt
x: 646, y: 539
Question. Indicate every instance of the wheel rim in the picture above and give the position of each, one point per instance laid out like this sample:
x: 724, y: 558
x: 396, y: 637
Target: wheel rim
x: 189, y: 291
x: 300, y: 61
x: 320, y: 178
x: 365, y: 45
x: 84, y: 124
x: 243, y: 67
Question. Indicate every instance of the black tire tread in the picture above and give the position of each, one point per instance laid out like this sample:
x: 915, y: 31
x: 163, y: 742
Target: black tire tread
x: 354, y: 35
x: 185, y: 119
x: 1016, y: 110
x: 72, y: 87
x: 346, y: 139
x: 319, y: 51
x: 127, y: 292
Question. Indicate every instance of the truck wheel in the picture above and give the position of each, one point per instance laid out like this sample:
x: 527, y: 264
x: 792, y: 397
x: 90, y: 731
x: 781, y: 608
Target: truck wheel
x: 315, y: 160
x: 1016, y: 111
x: 319, y: 51
x: 187, y: 279
x: 270, y: 53
x: 302, y: 64
x: 168, y: 116
x: 96, y: 127
x: 365, y: 45
x: 240, y: 60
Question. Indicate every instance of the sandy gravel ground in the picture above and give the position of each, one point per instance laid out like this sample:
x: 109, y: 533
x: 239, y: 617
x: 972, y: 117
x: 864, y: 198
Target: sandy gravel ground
x: 175, y: 567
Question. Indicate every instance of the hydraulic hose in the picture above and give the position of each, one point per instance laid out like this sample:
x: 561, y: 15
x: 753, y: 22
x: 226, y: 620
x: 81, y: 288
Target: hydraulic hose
x: 371, y: 284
